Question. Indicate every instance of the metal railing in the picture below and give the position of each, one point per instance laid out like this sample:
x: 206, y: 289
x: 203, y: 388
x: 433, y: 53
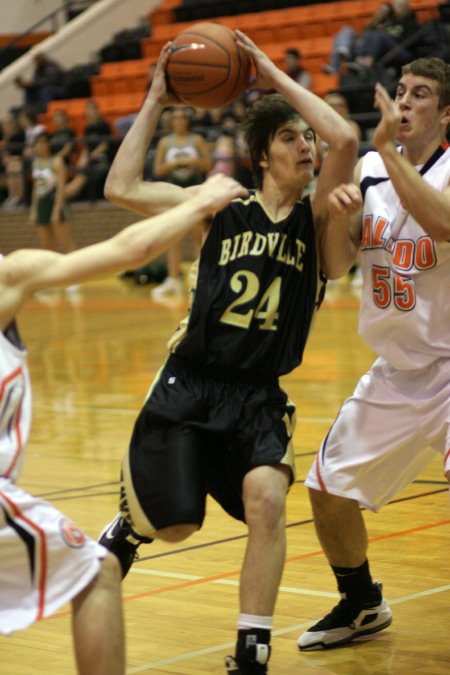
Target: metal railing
x: 53, y: 17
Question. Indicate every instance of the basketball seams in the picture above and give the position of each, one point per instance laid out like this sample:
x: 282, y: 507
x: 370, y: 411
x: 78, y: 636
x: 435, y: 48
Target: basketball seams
x: 204, y: 38
x: 195, y: 63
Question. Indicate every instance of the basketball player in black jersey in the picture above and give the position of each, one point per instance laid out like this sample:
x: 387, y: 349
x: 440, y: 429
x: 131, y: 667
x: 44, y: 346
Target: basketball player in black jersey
x: 216, y: 421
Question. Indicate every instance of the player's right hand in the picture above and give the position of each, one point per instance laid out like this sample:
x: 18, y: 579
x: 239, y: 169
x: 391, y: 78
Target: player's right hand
x: 158, y: 87
x: 218, y: 191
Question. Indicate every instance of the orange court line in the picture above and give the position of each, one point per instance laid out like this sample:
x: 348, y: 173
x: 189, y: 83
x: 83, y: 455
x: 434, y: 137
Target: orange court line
x: 224, y: 575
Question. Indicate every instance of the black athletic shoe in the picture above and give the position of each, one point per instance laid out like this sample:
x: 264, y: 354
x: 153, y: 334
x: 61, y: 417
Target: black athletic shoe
x: 346, y: 622
x: 119, y: 538
x: 255, y: 664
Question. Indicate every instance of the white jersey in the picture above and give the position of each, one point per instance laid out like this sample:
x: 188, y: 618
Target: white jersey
x: 15, y: 403
x: 405, y: 305
x: 45, y: 560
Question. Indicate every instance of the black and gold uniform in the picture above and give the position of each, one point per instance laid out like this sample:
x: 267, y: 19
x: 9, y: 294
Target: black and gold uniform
x: 216, y: 409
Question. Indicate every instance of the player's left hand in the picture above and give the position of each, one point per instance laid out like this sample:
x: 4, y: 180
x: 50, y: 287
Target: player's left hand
x: 266, y: 70
x: 386, y: 131
x: 345, y: 200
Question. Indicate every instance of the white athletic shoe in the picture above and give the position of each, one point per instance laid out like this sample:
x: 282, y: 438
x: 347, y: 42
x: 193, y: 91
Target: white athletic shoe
x: 170, y: 286
x: 346, y: 622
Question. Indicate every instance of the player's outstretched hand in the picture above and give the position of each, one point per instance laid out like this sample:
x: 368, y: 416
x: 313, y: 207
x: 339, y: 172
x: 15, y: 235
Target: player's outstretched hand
x: 266, y: 70
x: 158, y: 87
x: 386, y: 131
x: 345, y: 200
x: 218, y: 191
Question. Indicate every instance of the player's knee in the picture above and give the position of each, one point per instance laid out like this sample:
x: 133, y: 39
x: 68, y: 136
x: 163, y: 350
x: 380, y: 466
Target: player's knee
x: 176, y: 533
x: 107, y: 580
x: 264, y: 503
x: 110, y: 572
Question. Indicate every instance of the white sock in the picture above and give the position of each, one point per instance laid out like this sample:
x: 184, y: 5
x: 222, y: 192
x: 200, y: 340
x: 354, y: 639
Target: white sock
x: 246, y: 621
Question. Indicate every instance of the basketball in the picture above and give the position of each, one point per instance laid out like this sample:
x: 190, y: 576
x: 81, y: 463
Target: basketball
x: 206, y: 68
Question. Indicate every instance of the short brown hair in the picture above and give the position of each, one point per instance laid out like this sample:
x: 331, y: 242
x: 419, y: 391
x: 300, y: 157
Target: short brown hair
x: 432, y: 68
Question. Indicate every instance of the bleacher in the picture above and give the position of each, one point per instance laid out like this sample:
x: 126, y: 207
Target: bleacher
x: 119, y: 87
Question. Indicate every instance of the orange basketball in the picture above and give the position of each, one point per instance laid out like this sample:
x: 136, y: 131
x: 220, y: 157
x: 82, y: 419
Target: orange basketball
x: 206, y: 68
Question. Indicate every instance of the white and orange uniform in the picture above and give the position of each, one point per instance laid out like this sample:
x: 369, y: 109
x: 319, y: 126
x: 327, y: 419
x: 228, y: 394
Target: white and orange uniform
x: 390, y: 428
x: 45, y: 560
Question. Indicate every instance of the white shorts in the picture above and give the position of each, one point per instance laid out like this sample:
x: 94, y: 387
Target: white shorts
x: 385, y: 434
x: 45, y: 560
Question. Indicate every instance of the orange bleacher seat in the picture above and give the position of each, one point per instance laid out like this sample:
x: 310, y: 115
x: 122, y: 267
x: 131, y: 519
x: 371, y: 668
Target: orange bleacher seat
x: 123, y: 68
x: 164, y: 13
x: 72, y: 106
x: 323, y: 83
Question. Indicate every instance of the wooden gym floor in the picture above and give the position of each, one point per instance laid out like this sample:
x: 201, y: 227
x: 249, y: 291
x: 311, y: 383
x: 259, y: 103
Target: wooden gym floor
x: 93, y: 356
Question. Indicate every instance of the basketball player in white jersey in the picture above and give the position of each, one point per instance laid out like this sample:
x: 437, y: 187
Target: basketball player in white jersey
x: 45, y: 560
x: 398, y: 417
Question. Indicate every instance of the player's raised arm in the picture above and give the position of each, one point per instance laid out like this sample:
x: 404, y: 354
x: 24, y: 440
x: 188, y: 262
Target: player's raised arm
x: 26, y: 271
x: 337, y: 167
x: 325, y: 121
x: 429, y: 206
x: 125, y: 185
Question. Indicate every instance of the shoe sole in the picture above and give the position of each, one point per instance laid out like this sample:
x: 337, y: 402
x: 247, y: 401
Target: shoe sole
x: 316, y: 646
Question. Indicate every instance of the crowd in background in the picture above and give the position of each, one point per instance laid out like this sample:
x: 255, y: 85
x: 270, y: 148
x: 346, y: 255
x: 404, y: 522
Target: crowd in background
x: 391, y: 38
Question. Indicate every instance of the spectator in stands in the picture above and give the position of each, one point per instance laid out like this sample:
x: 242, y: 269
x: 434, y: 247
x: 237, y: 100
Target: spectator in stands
x: 48, y: 210
x: 28, y: 121
x: 393, y: 41
x: 62, y: 140
x: 230, y: 154
x: 294, y: 68
x: 95, y: 158
x: 344, y: 41
x: 46, y: 83
x: 182, y: 158
x: 206, y: 121
x: 12, y: 163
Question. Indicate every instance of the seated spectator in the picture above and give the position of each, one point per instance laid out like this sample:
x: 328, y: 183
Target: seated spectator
x: 62, y: 140
x: 345, y: 40
x: 46, y: 83
x: 294, y: 68
x: 392, y: 42
x: 11, y: 158
x: 95, y: 157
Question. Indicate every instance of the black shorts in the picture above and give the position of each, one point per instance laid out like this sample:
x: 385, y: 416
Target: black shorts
x: 199, y: 434
x: 44, y: 209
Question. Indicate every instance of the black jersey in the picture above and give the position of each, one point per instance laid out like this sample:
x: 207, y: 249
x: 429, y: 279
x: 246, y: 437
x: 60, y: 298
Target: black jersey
x: 256, y: 291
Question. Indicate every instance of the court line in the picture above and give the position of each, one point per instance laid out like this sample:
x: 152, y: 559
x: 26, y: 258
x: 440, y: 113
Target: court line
x: 230, y: 582
x: 281, y: 631
x: 302, y: 556
x: 308, y: 521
